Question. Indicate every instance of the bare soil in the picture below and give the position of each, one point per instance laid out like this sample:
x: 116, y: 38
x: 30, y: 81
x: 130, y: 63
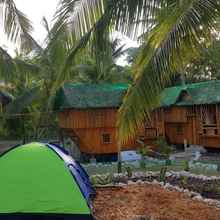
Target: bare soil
x: 135, y: 201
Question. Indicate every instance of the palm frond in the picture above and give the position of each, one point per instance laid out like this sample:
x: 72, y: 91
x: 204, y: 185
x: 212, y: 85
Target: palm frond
x: 80, y: 15
x: 24, y: 66
x: 127, y: 16
x: 17, y: 26
x: 7, y: 66
x: 170, y: 46
x: 23, y: 101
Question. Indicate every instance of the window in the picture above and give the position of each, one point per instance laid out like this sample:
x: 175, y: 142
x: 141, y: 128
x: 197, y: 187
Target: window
x: 179, y: 129
x: 106, y: 138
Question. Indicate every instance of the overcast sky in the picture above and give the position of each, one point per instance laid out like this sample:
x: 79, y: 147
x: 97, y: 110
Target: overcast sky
x: 35, y: 11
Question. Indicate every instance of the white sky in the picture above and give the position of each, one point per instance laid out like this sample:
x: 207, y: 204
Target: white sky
x: 35, y: 11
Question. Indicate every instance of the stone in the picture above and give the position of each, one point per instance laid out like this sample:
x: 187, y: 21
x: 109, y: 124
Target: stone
x: 199, y: 198
x: 155, y: 182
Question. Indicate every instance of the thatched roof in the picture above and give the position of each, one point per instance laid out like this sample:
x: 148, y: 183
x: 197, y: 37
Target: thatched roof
x: 192, y: 94
x: 84, y: 96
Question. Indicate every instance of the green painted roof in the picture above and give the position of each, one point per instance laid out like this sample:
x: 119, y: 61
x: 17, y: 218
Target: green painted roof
x: 34, y: 179
x: 198, y: 94
x: 83, y: 96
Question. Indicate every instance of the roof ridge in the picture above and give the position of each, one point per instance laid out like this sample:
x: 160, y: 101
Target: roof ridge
x: 195, y: 83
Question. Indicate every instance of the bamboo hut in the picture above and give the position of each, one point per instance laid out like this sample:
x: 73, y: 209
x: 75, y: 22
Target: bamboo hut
x: 88, y: 114
x: 192, y: 113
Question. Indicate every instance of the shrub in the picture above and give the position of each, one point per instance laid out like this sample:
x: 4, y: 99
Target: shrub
x: 129, y: 171
x: 163, y: 147
x: 186, y: 166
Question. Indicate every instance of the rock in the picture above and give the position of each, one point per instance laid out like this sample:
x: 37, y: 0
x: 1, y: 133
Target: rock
x: 168, y: 186
x: 194, y: 194
x: 186, y: 191
x: 198, y: 197
x: 140, y: 182
x: 131, y: 182
x: 120, y: 177
x: 121, y: 184
x: 155, y: 182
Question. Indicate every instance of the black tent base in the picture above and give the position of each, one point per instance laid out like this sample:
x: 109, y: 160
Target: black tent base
x: 45, y: 217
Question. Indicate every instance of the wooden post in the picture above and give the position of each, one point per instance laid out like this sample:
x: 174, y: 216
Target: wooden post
x: 119, y: 158
x: 185, y: 145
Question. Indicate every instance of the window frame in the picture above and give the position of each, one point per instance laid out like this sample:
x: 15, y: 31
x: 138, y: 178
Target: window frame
x: 103, y: 135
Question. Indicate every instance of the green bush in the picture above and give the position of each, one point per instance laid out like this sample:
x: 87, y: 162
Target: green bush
x: 162, y: 147
x: 186, y: 165
x: 129, y: 171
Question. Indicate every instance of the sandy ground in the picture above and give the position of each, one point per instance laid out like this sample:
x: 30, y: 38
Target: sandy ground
x: 134, y: 201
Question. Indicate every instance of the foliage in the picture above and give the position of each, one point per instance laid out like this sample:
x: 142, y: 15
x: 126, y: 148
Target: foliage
x: 184, y: 181
x: 162, y: 176
x: 172, y: 33
x: 101, y: 179
x: 129, y: 171
x: 17, y: 26
x: 36, y: 78
x: 162, y: 146
x: 186, y: 166
x: 207, y: 66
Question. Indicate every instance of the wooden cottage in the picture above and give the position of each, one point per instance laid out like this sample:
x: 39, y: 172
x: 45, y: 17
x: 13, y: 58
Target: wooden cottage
x: 88, y: 114
x: 192, y: 113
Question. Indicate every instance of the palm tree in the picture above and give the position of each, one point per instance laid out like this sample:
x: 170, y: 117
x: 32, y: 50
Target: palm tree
x: 172, y: 33
x: 18, y: 29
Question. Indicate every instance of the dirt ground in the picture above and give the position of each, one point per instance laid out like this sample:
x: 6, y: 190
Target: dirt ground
x: 135, y: 201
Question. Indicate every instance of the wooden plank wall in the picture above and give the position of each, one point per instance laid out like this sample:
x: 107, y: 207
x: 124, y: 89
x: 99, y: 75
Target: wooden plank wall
x: 88, y: 118
x: 90, y: 125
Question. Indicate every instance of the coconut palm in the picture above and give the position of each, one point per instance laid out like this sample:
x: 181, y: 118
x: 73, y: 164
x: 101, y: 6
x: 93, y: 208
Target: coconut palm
x: 37, y: 77
x: 18, y: 29
x: 172, y: 33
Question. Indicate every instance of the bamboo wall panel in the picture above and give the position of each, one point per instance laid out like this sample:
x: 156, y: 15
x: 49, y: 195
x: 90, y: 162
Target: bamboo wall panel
x: 175, y: 115
x: 90, y: 141
x: 210, y: 141
x: 88, y: 118
x: 177, y: 132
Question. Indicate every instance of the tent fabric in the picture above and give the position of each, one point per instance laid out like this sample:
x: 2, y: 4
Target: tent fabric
x: 77, y: 172
x: 36, y: 181
x: 83, y: 96
x: 199, y: 94
x: 22, y: 216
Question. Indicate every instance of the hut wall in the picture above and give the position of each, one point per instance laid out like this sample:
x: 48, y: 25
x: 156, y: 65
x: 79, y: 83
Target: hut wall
x: 199, y: 125
x: 209, y: 124
x: 180, y: 125
x: 91, y: 127
x: 175, y: 115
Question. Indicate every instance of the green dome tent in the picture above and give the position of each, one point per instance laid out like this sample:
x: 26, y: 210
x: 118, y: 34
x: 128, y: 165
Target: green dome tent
x: 35, y: 183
